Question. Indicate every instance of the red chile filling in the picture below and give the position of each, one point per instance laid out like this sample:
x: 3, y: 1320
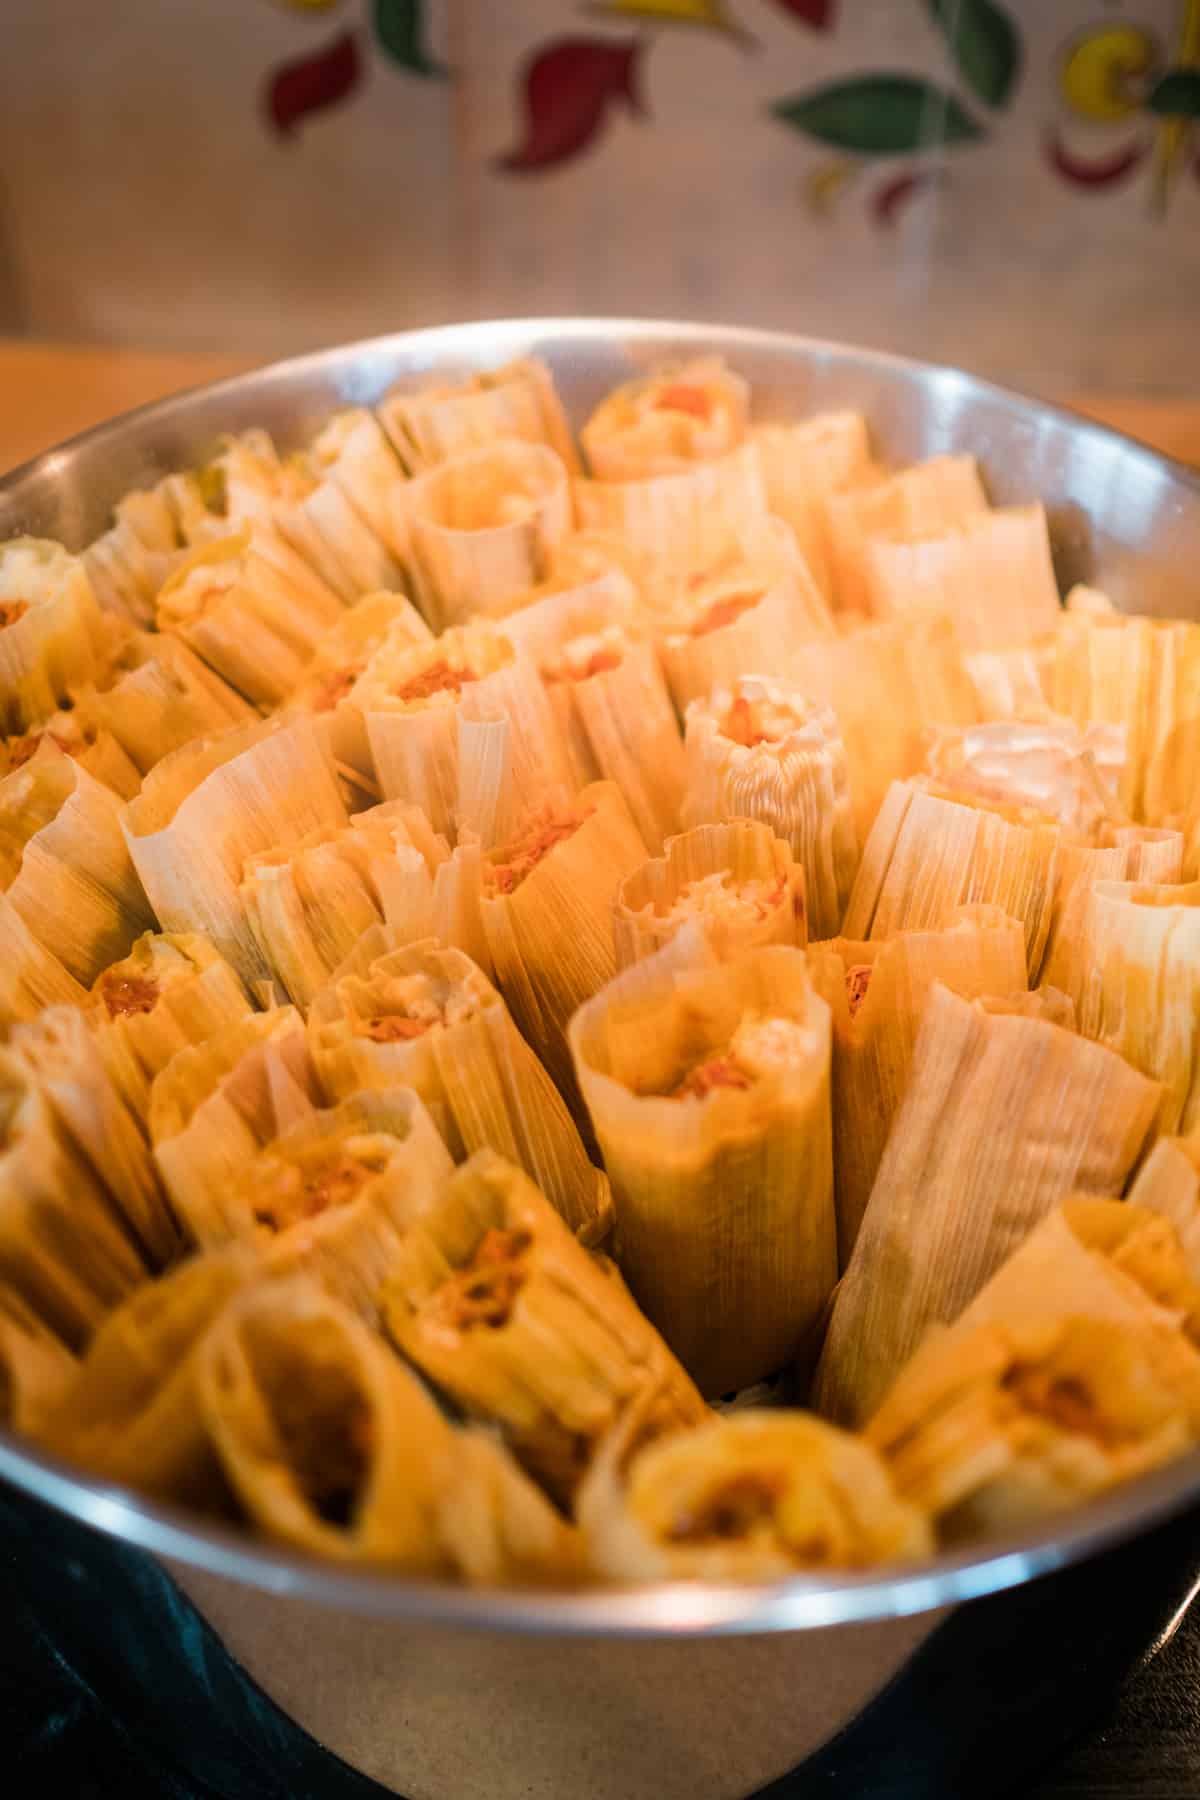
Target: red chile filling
x: 681, y: 398
x: 124, y: 995
x: 438, y: 678
x: 484, y: 1290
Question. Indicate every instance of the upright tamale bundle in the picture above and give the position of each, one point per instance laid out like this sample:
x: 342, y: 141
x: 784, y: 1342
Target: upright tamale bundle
x: 1168, y: 1183
x: 928, y: 497
x: 738, y: 881
x: 352, y: 451
x: 330, y: 674
x: 708, y: 1088
x: 802, y: 464
x: 759, y: 750
x: 52, y: 634
x: 207, y: 808
x: 429, y: 1018
x: 498, y: 1305
x: 686, y: 518
x: 661, y: 423
x: 1146, y: 855
x: 36, y: 1368
x: 1004, y: 1113
x: 443, y: 419
x: 127, y: 564
x: 157, y: 695
x: 877, y: 994
x: 78, y: 731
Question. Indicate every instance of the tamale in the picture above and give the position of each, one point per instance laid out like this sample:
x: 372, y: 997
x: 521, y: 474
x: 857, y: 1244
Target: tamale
x: 78, y: 732
x: 327, y: 688
x: 129, y: 562
x: 36, y: 1368
x: 438, y: 421
x: 738, y: 881
x: 52, y: 634
x: 708, y: 1087
x: 928, y: 497
x: 427, y: 1017
x: 158, y: 695
x: 759, y: 750
x: 497, y: 1304
x: 1168, y: 1182
x: 1004, y: 1113
x: 352, y: 451
x: 689, y: 518
x: 802, y: 464
x: 691, y: 412
x: 991, y: 572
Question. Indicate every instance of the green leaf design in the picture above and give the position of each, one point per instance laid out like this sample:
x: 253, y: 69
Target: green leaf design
x: 984, y: 42
x: 1177, y: 95
x: 400, y: 28
x: 880, y: 115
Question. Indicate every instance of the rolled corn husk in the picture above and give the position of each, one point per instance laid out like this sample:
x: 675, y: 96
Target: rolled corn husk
x: 1003, y: 1114
x: 217, y: 1103
x: 63, y: 1054
x: 252, y: 609
x: 129, y: 562
x: 436, y: 422
x: 31, y: 976
x: 427, y: 1017
x: 352, y: 450
x: 688, y: 519
x: 1144, y: 1246
x: 708, y: 1087
x: 747, y: 614
x: 169, y: 992
x: 333, y: 1446
x: 1047, y: 763
x: 928, y: 497
x: 52, y: 634
x: 1138, y: 986
x: 888, y: 684
x: 1015, y: 683
x: 413, y: 697
x: 802, y: 464
x: 309, y: 904
x: 877, y: 993
x: 207, y: 808
x: 759, y: 750
x: 133, y: 1412
x: 586, y: 591
x: 1137, y: 853
x: 339, y: 659
x: 661, y: 423
x: 546, y: 909
x: 158, y: 696
x: 64, y: 866
x: 1168, y: 1183
x: 36, y: 1368
x: 932, y: 850
x: 738, y: 882
x: 991, y: 572
x: 757, y: 1496
x: 503, y: 1310
x: 483, y: 528
x: 77, y: 731
x: 62, y: 1248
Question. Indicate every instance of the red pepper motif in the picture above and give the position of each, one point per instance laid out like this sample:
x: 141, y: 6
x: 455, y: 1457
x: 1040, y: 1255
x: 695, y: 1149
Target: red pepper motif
x: 1091, y: 171
x: 820, y: 14
x: 894, y: 195
x: 299, y: 88
x: 571, y: 87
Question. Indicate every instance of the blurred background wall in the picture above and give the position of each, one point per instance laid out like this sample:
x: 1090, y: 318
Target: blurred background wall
x: 998, y: 183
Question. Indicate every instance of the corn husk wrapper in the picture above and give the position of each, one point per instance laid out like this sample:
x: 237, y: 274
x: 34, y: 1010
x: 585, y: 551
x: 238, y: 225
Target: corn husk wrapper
x: 309, y: 904
x: 546, y: 909
x: 52, y: 634
x: 738, y: 882
x: 217, y: 1103
x: 1138, y: 974
x: 31, y: 976
x: 932, y: 850
x: 129, y: 562
x: 1137, y: 853
x: 437, y: 422
x: 64, y: 867
x: 352, y: 450
x: 338, y: 661
x: 133, y: 1414
x: 724, y: 1198
x: 662, y: 423
x: 918, y: 501
x: 749, y: 614
x: 78, y: 733
x: 585, y: 591
x: 252, y: 609
x: 757, y: 1496
x: 502, y: 1309
x: 877, y: 993
x: 689, y: 519
x: 206, y: 809
x: 332, y: 1445
x: 1046, y: 763
x: 759, y: 750
x: 169, y: 992
x: 991, y: 572
x: 36, y: 1368
x: 1003, y: 1114
x: 333, y: 1196
x: 1145, y: 1248
x: 158, y: 696
x: 1015, y: 683
x: 888, y: 684
x: 415, y: 699
x: 427, y: 1017
x: 802, y: 464
x: 484, y: 527
x: 62, y: 1247
x: 64, y: 1056
x: 1168, y: 1183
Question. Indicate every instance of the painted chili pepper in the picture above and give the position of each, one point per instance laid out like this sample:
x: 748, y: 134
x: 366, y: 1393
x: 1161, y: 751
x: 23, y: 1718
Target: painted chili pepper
x: 1091, y: 171
x: 570, y: 89
x: 817, y: 13
x: 894, y: 195
x: 305, y: 86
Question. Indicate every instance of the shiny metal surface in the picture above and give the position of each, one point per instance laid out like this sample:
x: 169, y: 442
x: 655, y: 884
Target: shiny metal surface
x: 1121, y: 516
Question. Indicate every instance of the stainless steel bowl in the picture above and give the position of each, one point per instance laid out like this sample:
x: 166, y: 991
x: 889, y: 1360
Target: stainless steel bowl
x: 1121, y: 516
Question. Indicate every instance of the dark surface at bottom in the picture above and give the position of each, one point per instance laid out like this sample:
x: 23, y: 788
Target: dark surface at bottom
x: 111, y: 1684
